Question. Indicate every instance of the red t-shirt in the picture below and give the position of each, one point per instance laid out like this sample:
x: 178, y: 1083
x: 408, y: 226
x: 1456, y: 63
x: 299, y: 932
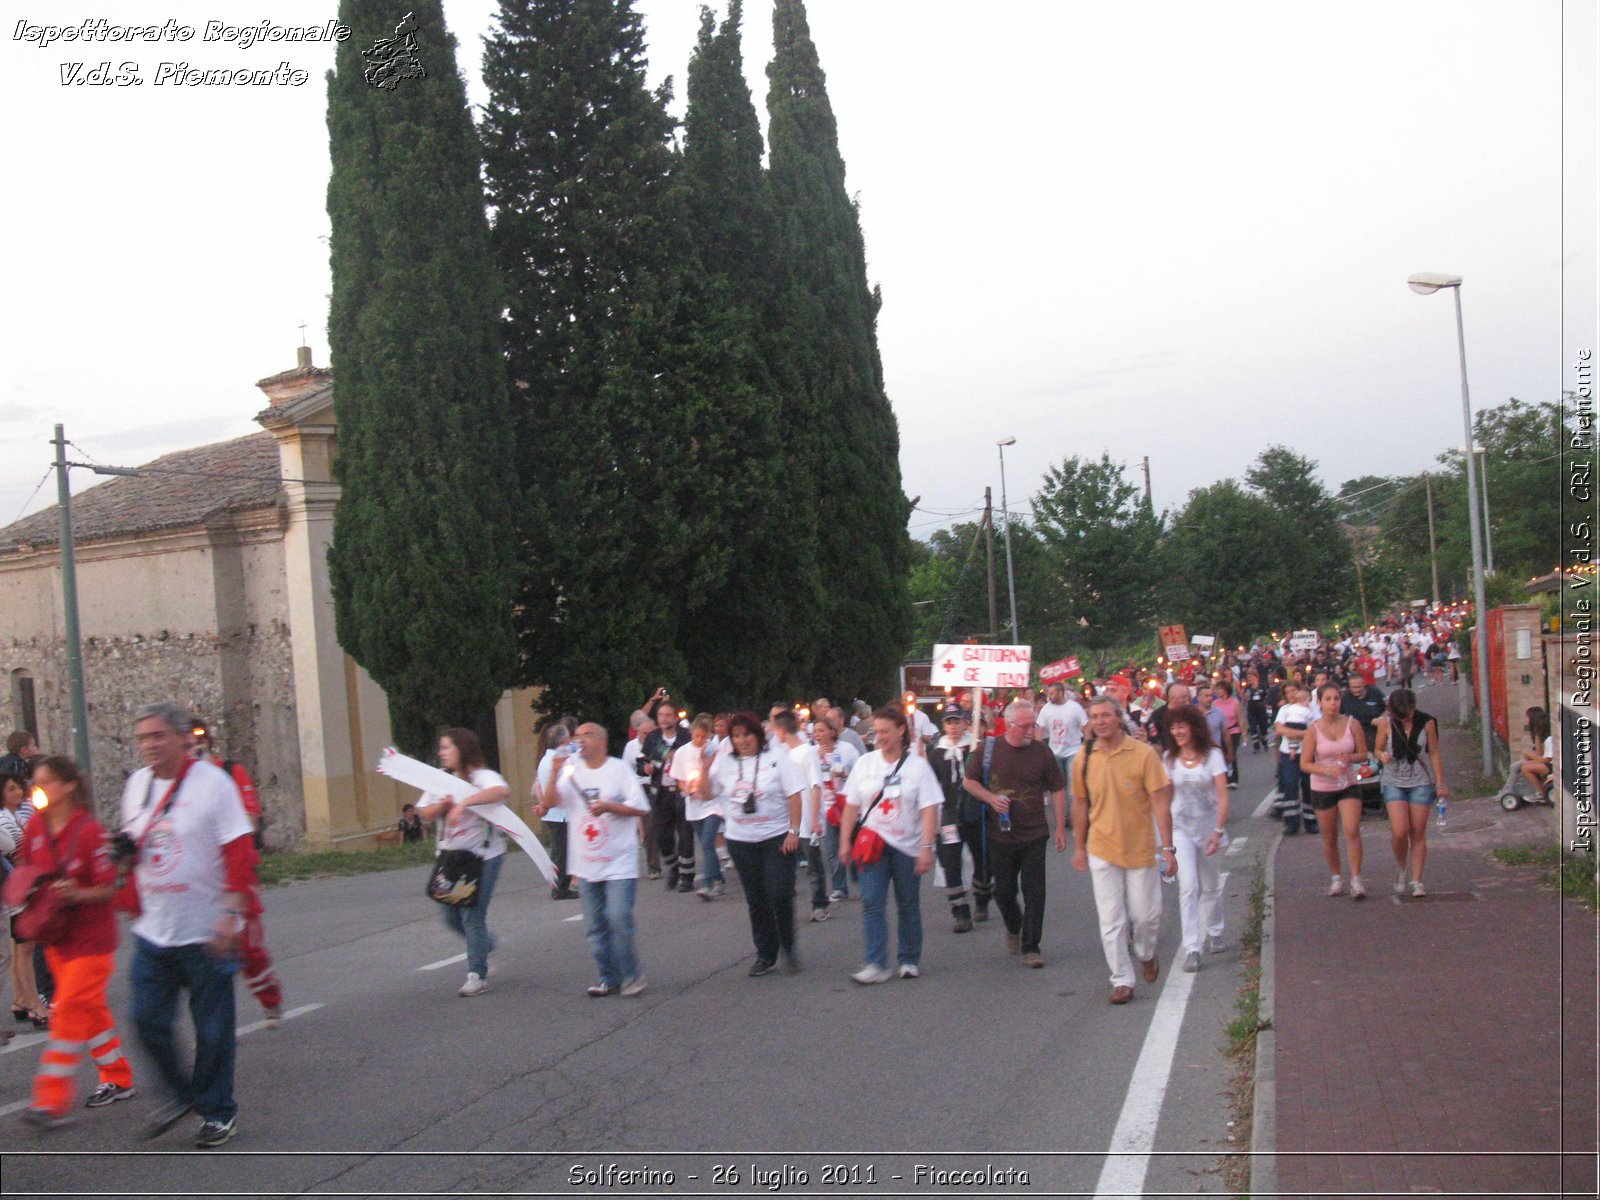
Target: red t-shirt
x: 79, y: 851
x: 1368, y: 666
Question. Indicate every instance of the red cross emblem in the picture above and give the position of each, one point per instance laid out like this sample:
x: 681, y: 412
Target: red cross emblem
x: 887, y: 808
x: 591, y: 832
x: 947, y: 665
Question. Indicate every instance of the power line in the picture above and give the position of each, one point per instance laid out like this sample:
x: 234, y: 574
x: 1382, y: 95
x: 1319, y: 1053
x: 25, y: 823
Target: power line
x: 32, y: 497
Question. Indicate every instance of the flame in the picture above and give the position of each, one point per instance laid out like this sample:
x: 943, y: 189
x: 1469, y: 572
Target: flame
x: 40, y: 800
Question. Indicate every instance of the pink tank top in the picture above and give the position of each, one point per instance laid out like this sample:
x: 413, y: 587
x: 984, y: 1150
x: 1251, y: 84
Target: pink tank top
x: 1334, y: 752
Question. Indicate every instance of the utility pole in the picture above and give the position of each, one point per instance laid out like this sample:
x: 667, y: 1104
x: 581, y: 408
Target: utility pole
x: 1433, y: 547
x: 1147, y: 500
x: 69, y: 603
x: 988, y: 537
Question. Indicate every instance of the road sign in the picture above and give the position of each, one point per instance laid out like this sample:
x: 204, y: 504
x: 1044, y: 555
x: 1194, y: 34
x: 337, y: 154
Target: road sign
x: 982, y: 666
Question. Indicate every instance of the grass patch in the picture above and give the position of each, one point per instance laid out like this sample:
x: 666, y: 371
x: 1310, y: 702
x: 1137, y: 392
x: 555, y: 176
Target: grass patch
x: 1573, y: 875
x: 1241, y: 1034
x: 285, y: 868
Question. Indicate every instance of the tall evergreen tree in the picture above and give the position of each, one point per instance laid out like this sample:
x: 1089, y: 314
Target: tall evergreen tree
x: 1321, y: 565
x: 846, y: 443
x: 577, y: 159
x: 423, y: 554
x: 746, y: 634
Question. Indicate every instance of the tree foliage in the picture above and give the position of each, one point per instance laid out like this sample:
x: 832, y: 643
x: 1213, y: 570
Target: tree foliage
x: 422, y: 563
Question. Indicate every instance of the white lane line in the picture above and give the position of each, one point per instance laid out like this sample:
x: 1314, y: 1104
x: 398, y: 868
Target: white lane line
x: 1129, y: 1158
x: 1238, y: 845
x: 570, y: 920
x: 23, y: 1042
x: 17, y: 1107
x: 288, y: 1016
x: 444, y: 962
x: 1265, y: 807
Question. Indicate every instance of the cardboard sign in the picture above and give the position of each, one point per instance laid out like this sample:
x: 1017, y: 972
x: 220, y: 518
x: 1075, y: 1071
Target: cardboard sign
x: 1303, y: 640
x: 1059, y: 671
x: 982, y: 666
x: 1175, y: 641
x: 1203, y: 640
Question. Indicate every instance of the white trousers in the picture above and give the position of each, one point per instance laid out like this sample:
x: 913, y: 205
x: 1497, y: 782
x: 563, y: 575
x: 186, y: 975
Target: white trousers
x: 1199, y: 891
x: 1124, y: 897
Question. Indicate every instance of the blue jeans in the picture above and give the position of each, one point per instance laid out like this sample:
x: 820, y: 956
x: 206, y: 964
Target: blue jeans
x: 838, y: 873
x: 159, y: 974
x: 705, y: 832
x: 875, y: 880
x: 472, y: 922
x: 608, y: 914
x: 1295, y: 785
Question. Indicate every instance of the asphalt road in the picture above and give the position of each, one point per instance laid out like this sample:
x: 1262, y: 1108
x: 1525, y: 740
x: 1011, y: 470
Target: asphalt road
x: 383, y: 1082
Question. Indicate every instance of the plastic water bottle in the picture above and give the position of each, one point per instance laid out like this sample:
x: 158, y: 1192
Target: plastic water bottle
x: 1004, y: 820
x: 1440, y: 808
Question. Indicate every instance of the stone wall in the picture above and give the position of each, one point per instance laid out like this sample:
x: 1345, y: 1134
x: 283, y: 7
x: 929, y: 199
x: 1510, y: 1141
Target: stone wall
x: 250, y: 705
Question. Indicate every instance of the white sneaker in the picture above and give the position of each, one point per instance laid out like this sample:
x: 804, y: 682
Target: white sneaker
x: 870, y: 974
x: 473, y: 986
x: 1417, y: 889
x: 909, y: 971
x: 1358, y: 890
x: 273, y: 1018
x: 819, y: 914
x: 1336, y: 888
x: 1400, y: 883
x: 835, y: 897
x: 632, y: 987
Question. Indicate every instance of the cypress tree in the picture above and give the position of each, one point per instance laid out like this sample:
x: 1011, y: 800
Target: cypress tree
x: 423, y: 555
x: 751, y: 634
x: 849, y: 442
x: 577, y: 161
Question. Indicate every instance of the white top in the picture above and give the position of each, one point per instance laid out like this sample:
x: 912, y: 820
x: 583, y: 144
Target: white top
x: 896, y: 818
x: 1064, y: 724
x: 1292, y: 712
x: 1194, y: 793
x: 921, y: 727
x: 463, y: 828
x: 180, y: 873
x: 804, y: 757
x: 601, y: 846
x: 546, y: 765
x: 685, y: 767
x: 735, y: 779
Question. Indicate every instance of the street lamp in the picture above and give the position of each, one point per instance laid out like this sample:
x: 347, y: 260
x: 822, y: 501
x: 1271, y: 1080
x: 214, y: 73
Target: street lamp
x: 1425, y: 285
x: 1011, y: 578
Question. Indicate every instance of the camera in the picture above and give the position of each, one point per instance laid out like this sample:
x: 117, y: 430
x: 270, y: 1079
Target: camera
x: 124, y: 851
x: 749, y: 804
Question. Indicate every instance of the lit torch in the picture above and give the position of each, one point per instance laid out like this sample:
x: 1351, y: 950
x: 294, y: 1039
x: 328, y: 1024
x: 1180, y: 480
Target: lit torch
x: 40, y: 800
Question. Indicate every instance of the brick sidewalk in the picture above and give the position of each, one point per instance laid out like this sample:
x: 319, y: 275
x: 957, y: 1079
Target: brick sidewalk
x: 1443, y: 1027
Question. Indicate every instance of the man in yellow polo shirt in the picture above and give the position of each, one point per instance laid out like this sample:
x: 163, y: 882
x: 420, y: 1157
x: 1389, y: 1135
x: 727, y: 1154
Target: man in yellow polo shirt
x: 1118, y: 785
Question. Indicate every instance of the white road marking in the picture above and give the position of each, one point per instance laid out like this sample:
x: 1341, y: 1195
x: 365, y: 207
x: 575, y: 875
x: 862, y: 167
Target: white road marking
x: 17, y: 1107
x: 444, y: 962
x: 288, y: 1016
x: 1264, y: 809
x: 1129, y: 1158
x: 1238, y: 844
x: 571, y: 919
x: 24, y: 1041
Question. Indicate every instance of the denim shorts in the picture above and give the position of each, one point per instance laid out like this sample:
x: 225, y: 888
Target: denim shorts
x: 1421, y: 794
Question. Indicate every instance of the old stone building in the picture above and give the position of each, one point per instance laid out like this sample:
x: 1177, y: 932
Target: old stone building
x: 204, y: 579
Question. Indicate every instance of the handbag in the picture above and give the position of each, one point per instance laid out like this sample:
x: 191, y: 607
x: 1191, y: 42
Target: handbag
x: 41, y: 914
x: 454, y: 878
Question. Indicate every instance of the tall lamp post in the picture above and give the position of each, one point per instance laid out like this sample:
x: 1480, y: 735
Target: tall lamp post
x: 1011, y: 578
x: 1426, y: 285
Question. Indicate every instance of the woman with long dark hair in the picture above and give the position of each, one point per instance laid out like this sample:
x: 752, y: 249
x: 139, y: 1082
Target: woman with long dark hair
x: 1537, y: 758
x: 1332, y: 746
x: 1413, y: 777
x: 64, y: 838
x: 1199, y: 774
x: 460, y: 828
x: 759, y: 789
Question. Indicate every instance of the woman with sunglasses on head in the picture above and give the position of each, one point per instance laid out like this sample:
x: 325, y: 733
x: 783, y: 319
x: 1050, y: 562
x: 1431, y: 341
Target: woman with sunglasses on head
x: 1413, y: 778
x: 759, y: 790
x: 1332, y: 746
x: 64, y: 839
x: 894, y: 794
x: 460, y: 828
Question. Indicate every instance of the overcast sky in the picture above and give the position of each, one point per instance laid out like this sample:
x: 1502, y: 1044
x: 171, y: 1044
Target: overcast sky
x: 1168, y: 229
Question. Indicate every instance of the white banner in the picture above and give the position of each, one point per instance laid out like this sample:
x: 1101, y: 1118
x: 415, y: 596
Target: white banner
x: 420, y: 775
x: 981, y: 666
x: 1203, y: 639
x: 1304, y: 639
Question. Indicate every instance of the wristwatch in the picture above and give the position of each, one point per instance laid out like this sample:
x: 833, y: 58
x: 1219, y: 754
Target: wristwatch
x: 1169, y: 849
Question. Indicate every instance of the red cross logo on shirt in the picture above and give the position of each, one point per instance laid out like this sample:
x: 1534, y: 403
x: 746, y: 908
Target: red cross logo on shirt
x: 591, y: 832
x: 887, y: 808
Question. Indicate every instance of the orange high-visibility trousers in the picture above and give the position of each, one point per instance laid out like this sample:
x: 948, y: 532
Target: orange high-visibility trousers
x: 80, y: 1020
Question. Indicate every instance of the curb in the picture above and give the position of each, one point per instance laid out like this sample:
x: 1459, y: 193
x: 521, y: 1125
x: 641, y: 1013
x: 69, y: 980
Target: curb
x: 1264, y: 1111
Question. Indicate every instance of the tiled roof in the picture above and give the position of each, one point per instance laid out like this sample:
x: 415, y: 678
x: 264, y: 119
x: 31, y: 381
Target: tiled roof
x: 182, y: 489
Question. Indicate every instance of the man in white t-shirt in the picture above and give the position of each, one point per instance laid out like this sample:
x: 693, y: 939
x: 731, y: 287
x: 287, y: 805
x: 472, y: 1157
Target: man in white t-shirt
x: 193, y: 869
x: 604, y: 804
x: 1062, y: 721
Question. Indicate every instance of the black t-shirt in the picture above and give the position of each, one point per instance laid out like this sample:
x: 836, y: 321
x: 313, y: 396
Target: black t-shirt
x: 1027, y: 774
x: 1366, y: 710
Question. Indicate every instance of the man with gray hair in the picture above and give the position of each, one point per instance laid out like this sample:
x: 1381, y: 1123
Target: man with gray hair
x: 1119, y: 787
x: 193, y: 862
x: 1019, y: 779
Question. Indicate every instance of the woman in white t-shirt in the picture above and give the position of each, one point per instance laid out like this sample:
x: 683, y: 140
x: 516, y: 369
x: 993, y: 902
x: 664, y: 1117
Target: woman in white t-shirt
x: 894, y: 793
x: 689, y: 762
x: 837, y: 757
x: 1199, y: 773
x: 558, y: 747
x: 759, y: 790
x: 462, y: 829
x: 1538, y: 757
